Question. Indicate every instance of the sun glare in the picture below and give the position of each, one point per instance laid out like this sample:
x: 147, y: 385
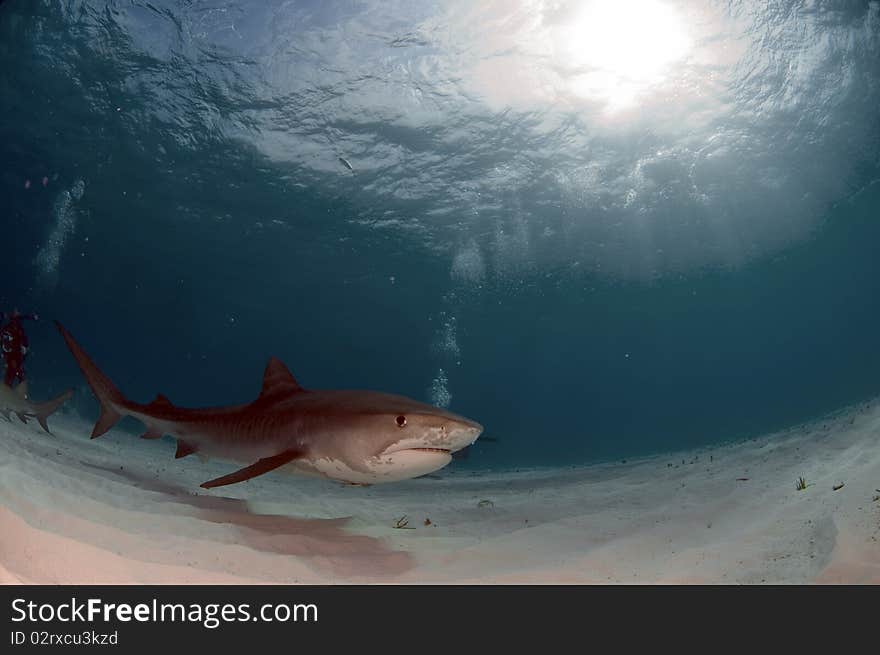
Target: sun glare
x: 614, y: 51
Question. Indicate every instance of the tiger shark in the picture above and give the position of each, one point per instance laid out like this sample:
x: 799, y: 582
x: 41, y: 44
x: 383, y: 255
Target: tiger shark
x: 16, y: 401
x: 356, y: 437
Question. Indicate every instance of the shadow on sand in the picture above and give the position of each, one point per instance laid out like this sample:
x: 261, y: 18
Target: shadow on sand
x: 324, y: 544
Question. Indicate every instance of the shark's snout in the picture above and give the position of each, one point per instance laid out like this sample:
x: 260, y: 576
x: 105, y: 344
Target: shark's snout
x: 470, y: 431
x: 460, y: 434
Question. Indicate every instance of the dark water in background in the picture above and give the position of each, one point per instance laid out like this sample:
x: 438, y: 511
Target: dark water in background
x: 594, y: 256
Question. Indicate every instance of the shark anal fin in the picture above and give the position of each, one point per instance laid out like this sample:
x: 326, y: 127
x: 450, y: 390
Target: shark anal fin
x: 257, y: 468
x: 184, y: 449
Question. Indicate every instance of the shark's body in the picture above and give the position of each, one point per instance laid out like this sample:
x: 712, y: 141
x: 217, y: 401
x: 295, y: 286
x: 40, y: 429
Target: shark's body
x: 16, y: 401
x: 359, y: 437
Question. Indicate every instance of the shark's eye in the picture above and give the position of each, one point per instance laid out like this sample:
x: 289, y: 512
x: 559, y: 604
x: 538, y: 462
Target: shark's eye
x: 401, y: 421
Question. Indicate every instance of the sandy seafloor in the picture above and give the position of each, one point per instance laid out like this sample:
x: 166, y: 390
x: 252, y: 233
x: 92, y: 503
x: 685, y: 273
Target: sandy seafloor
x: 121, y: 510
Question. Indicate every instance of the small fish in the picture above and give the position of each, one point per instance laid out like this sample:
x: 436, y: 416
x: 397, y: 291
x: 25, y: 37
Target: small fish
x: 346, y: 163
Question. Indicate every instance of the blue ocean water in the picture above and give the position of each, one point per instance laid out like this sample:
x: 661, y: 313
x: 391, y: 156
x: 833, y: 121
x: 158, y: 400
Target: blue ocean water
x: 601, y: 233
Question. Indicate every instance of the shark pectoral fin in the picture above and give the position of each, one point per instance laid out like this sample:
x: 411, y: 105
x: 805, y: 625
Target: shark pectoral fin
x: 257, y: 468
x: 22, y: 417
x: 184, y: 449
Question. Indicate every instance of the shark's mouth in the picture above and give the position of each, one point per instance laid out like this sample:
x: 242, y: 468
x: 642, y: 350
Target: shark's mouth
x: 432, y: 450
x: 422, y: 447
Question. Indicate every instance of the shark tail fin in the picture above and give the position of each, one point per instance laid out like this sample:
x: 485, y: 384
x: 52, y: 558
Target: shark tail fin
x: 46, y: 409
x: 110, y: 398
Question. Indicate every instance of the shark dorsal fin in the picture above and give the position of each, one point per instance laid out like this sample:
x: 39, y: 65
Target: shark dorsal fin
x: 22, y: 389
x: 278, y: 381
x: 161, y: 401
